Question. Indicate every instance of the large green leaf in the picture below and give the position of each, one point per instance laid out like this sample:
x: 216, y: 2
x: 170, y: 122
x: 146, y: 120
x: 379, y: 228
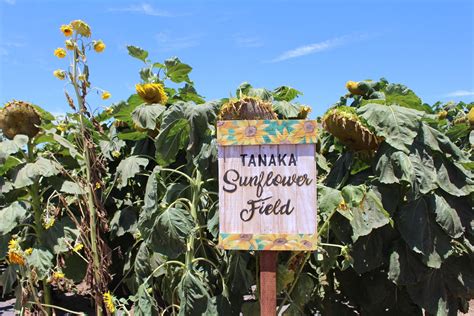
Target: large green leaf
x: 286, y: 109
x: 405, y: 267
x: 397, y: 125
x: 328, y: 199
x: 440, y: 143
x: 61, y: 235
x: 194, y: 297
x: 11, y: 216
x: 285, y: 93
x: 124, y: 221
x: 446, y: 216
x: 137, y: 52
x: 8, y: 147
x: 239, y: 276
x: 453, y: 178
x: 128, y: 168
x: 31, y: 171
x: 170, y: 140
x: 430, y: 293
x: 171, y: 230
x: 145, y: 304
x: 177, y: 71
x: 147, y: 116
x: 123, y: 110
x: 41, y: 260
x: 368, y: 215
x: 400, y: 95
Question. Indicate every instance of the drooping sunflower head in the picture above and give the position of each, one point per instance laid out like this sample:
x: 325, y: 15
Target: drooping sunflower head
x: 19, y: 117
x: 470, y: 116
x: 344, y: 124
x: 152, y: 93
x: 81, y: 27
x: 303, y: 112
x: 109, y: 302
x: 247, y: 108
x: 353, y: 88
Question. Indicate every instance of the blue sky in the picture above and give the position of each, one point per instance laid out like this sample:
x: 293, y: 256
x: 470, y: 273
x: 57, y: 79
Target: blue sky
x: 314, y: 46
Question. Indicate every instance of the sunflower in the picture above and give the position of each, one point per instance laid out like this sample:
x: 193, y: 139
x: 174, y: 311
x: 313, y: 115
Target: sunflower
x: 99, y: 46
x: 280, y: 242
x: 15, y: 254
x: 81, y: 28
x: 247, y: 133
x: 78, y: 247
x: 69, y: 44
x: 66, y: 29
x: 344, y: 124
x: 303, y: 112
x: 60, y: 74
x: 109, y: 302
x: 305, y: 131
x: 353, y: 88
x: 247, y: 108
x: 152, y: 93
x: 239, y: 241
x: 19, y: 117
x: 60, y: 52
x: 105, y: 95
x: 281, y: 137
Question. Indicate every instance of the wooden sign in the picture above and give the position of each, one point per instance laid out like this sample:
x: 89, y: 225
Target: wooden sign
x: 267, y: 184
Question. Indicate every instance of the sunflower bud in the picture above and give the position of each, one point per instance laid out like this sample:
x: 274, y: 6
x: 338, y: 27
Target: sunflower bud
x: 99, y: 46
x: 60, y: 74
x: 69, y: 44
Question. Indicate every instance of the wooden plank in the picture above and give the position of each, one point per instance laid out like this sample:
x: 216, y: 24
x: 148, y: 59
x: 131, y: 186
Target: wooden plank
x: 268, y: 268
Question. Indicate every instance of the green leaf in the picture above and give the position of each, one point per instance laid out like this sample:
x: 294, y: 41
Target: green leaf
x: 123, y: 110
x: 301, y: 294
x: 145, y: 304
x: 353, y: 195
x: 430, y: 293
x: 400, y: 95
x: 132, y: 135
x: 61, y: 235
x: 128, y: 168
x: 328, y: 199
x: 239, y: 277
x: 453, y: 178
x: 367, y: 216
x: 193, y: 296
x: 11, y: 216
x: 177, y: 71
x: 137, y: 52
x: 171, y: 230
x: 147, y: 116
x: 41, y: 260
x: 8, y: 279
x: 286, y: 109
x: 123, y: 221
x: 8, y: 147
x: 285, y: 93
x: 10, y: 163
x: 170, y: 140
x: 446, y: 216
x: 440, y: 143
x: 31, y: 171
x: 397, y: 125
x: 405, y: 267
x: 65, y: 143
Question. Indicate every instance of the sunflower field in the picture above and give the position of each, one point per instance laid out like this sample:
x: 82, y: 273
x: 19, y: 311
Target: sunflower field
x: 116, y: 211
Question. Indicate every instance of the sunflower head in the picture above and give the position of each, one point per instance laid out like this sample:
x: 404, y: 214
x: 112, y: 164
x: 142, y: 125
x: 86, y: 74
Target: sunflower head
x: 69, y: 44
x: 470, y: 116
x: 109, y: 302
x: 152, y: 93
x: 81, y: 27
x: 60, y: 74
x: 105, y: 95
x: 344, y: 124
x: 15, y: 254
x: 19, y: 117
x: 247, y: 108
x: 353, y: 88
x: 67, y: 30
x: 304, y: 111
x: 60, y: 52
x: 99, y: 46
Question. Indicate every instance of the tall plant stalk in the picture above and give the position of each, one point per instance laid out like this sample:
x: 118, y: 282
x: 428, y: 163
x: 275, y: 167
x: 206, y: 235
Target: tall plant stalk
x: 90, y: 194
x: 37, y: 211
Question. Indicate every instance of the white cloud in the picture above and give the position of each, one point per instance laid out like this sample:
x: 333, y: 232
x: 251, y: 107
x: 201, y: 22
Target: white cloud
x: 6, y: 47
x: 143, y: 8
x: 248, y: 42
x: 319, y: 47
x: 11, y: 2
x: 169, y: 42
x: 460, y: 93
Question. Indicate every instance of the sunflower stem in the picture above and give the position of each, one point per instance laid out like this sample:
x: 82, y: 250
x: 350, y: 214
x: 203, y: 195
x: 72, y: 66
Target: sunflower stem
x: 36, y: 205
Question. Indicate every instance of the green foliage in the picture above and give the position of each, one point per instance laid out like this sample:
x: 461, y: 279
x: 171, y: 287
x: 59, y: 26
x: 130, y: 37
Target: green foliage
x: 393, y: 223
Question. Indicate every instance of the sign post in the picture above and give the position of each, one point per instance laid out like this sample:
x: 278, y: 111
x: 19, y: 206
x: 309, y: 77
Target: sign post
x: 267, y: 192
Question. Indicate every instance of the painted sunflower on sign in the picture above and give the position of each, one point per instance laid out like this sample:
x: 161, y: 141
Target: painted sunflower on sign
x: 247, y: 133
x: 305, y: 132
x: 239, y: 241
x: 280, y: 242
